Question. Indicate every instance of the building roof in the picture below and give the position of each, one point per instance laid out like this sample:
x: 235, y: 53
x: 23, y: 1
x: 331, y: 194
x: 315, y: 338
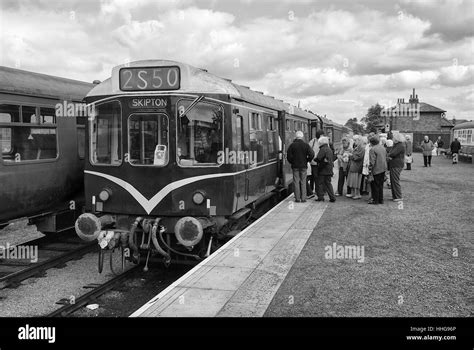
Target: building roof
x: 424, y: 107
x: 466, y: 125
x: 21, y: 82
x: 446, y: 123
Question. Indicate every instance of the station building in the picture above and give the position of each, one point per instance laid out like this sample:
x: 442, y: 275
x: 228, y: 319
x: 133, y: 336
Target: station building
x: 418, y: 119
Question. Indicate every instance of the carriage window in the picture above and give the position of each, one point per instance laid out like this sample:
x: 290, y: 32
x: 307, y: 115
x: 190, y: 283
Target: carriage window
x: 5, y: 133
x: 81, y: 142
x: 255, y: 121
x: 47, y: 115
x: 23, y: 142
x: 29, y: 115
x: 288, y: 125
x: 239, y: 132
x: 200, y: 133
x: 106, y: 134
x: 148, y: 139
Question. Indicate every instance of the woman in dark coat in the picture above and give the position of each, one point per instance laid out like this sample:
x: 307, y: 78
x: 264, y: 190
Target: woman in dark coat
x: 325, y: 160
x: 396, y: 159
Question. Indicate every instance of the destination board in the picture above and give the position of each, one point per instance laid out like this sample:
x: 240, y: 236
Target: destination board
x: 149, y: 78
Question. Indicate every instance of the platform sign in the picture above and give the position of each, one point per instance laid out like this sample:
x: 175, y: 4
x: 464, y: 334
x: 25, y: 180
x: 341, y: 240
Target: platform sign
x: 149, y: 78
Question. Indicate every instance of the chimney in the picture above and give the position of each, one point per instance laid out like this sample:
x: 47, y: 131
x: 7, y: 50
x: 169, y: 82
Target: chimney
x: 413, y: 97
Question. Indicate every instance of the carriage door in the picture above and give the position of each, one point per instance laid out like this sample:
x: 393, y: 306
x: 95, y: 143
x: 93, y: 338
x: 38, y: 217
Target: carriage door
x: 286, y: 174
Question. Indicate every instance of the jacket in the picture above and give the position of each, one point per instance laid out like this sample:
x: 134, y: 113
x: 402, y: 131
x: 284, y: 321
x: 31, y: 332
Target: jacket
x: 299, y: 154
x: 343, y: 153
x: 378, y: 159
x: 314, y: 144
x: 427, y: 147
x: 409, y: 148
x: 357, y: 160
x: 455, y: 146
x: 397, y: 155
x: 325, y: 160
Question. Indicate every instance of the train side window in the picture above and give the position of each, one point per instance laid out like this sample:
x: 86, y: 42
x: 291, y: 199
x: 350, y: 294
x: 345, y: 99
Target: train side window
x: 106, y: 134
x: 81, y: 142
x: 200, y: 133
x: 272, y: 138
x: 256, y: 136
x: 255, y: 121
x: 239, y: 132
x: 5, y: 133
x: 288, y: 125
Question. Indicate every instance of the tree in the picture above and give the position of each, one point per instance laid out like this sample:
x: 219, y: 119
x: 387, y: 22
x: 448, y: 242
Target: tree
x: 356, y: 127
x: 373, y: 118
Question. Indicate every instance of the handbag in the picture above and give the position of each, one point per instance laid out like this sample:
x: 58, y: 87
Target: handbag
x: 370, y: 177
x: 409, y: 159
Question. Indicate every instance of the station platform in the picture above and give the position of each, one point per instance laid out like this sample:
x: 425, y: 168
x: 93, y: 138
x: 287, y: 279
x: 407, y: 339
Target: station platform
x: 410, y: 259
x: 241, y: 278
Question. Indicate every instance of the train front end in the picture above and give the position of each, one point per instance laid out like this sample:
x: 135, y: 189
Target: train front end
x: 153, y: 182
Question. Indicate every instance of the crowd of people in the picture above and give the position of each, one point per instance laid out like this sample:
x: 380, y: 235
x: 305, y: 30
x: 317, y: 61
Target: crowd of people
x: 364, y: 164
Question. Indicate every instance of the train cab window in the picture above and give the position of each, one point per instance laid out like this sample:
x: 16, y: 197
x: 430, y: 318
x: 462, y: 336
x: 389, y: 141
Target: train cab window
x: 106, y: 134
x: 148, y: 139
x: 239, y: 132
x: 288, y: 125
x: 23, y: 141
x: 200, y: 133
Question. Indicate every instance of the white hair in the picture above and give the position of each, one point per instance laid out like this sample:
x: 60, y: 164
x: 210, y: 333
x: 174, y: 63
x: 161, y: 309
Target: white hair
x: 398, y: 138
x: 323, y: 140
x: 299, y: 135
x: 389, y: 143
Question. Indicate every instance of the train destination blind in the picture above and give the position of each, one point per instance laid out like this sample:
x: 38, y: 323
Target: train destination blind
x: 149, y: 78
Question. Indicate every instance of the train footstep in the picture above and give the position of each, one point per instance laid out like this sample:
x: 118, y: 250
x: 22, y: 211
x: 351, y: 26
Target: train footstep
x: 92, y: 306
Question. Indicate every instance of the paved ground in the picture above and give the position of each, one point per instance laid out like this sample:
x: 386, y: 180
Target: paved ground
x: 418, y: 256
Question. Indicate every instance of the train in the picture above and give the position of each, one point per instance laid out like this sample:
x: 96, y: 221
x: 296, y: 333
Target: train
x: 41, y: 169
x: 464, y: 133
x: 179, y: 158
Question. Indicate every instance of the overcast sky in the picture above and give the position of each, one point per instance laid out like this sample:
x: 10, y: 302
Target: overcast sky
x: 336, y: 57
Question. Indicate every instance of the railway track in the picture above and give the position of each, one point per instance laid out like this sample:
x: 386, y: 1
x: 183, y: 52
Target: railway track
x: 52, y: 251
x: 93, y: 295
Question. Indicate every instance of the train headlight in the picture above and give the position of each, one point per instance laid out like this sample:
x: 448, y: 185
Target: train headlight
x: 198, y: 197
x: 188, y: 231
x: 105, y: 194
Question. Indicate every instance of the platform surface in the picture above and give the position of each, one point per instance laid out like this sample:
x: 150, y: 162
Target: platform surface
x: 241, y: 278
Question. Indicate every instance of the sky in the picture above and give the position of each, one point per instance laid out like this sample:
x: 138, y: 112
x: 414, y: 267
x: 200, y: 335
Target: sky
x: 336, y: 57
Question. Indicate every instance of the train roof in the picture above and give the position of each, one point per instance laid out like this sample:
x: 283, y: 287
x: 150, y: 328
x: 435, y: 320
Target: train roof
x: 466, y: 125
x: 21, y: 82
x: 195, y: 80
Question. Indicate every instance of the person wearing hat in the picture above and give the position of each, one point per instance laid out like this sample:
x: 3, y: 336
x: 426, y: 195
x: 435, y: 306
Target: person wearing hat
x: 299, y: 154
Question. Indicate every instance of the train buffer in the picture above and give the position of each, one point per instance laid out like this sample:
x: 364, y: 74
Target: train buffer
x: 241, y: 278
